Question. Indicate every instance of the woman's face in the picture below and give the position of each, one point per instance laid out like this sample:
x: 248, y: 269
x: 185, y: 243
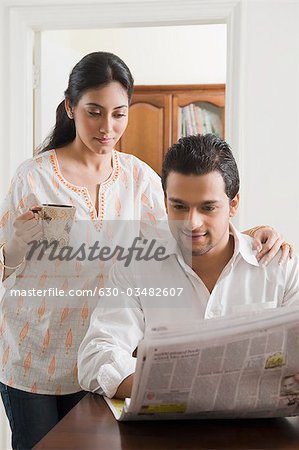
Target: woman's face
x: 101, y: 117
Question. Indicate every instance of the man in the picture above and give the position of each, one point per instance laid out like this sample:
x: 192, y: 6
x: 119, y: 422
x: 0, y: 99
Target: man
x: 290, y: 388
x: 211, y: 262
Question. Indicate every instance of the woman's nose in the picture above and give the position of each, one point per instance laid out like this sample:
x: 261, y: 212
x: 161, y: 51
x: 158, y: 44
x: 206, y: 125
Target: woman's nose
x: 106, y: 125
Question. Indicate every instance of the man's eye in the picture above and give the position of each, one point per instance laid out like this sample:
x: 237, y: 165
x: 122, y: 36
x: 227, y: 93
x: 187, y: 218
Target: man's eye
x: 178, y: 206
x: 209, y: 208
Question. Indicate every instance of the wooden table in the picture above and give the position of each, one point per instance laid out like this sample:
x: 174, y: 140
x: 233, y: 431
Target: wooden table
x: 91, y: 425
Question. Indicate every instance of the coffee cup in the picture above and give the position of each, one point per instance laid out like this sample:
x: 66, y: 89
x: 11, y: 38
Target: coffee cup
x: 57, y: 221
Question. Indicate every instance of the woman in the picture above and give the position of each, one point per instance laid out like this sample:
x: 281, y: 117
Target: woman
x: 78, y: 166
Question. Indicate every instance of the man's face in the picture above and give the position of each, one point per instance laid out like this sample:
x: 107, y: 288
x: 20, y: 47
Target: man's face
x: 199, y: 211
x: 290, y: 386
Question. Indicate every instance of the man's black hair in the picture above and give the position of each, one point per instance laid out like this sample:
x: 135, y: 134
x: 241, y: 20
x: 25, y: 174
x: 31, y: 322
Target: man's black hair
x: 200, y: 155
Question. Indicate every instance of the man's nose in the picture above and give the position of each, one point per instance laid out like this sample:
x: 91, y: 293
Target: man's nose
x: 195, y: 219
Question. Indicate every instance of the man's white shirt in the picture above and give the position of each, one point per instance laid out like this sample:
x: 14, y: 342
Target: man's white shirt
x: 155, y: 293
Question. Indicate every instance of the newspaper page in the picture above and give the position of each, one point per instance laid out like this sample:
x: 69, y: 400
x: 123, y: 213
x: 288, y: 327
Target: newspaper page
x: 220, y: 368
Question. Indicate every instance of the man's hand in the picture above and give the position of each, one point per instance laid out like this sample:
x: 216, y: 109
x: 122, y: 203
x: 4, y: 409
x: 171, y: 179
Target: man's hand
x: 124, y: 390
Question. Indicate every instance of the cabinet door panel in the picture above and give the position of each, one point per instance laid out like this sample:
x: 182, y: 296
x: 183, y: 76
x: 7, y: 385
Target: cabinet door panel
x: 148, y: 132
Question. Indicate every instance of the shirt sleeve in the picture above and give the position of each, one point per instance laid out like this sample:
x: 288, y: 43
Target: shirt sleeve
x: 291, y: 294
x: 152, y: 197
x: 116, y: 327
x: 12, y: 206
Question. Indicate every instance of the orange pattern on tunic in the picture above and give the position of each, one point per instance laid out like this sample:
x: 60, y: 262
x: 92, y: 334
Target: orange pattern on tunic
x: 2, y: 326
x: 31, y: 182
x: 65, y: 285
x: 136, y: 174
x: 145, y: 200
x: 39, y: 162
x: 152, y: 218
x: 42, y: 280
x: 85, y: 312
x: 19, y: 305
x: 5, y: 357
x: 46, y: 341
x: 64, y: 314
x: 78, y: 267
x: 41, y: 309
x: 4, y: 219
x: 27, y: 363
x: 123, y: 177
x: 117, y: 206
x: 69, y: 340
x: 101, y: 281
x: 75, y: 372
x: 55, y: 183
x: 23, y: 332
x: 58, y: 263
x: 52, y: 367
x: 21, y: 204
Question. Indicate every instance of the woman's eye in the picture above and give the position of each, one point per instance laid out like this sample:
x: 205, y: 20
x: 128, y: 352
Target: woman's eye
x: 94, y: 113
x: 119, y: 115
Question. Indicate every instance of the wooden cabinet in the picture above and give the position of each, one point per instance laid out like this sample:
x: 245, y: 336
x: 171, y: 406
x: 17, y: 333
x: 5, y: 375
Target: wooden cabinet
x: 155, y: 117
x: 149, y: 130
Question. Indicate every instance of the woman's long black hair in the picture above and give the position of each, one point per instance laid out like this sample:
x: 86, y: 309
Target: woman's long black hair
x: 91, y: 72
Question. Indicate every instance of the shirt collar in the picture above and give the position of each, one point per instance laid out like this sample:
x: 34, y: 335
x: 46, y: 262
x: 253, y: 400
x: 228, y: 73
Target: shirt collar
x: 243, y: 246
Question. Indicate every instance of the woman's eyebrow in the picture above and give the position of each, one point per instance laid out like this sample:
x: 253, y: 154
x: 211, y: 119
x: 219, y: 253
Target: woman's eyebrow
x: 100, y: 106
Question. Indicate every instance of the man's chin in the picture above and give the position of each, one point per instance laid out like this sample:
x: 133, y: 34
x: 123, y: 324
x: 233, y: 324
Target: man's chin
x: 191, y: 251
x: 200, y: 251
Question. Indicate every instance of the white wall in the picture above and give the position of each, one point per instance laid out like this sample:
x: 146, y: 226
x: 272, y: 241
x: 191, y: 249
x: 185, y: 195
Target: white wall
x: 194, y: 55
x: 270, y: 172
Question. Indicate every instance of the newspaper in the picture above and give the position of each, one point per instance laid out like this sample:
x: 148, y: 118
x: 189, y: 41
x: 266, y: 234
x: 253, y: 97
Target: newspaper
x: 218, y: 368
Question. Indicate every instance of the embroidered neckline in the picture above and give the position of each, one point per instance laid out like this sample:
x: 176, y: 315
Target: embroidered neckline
x: 84, y: 191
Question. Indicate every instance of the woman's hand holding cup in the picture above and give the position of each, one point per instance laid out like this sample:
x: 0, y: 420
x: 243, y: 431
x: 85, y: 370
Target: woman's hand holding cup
x: 26, y: 228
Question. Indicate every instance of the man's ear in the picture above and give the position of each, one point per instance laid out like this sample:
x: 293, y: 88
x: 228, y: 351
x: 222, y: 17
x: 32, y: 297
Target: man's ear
x: 234, y: 203
x: 68, y: 108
